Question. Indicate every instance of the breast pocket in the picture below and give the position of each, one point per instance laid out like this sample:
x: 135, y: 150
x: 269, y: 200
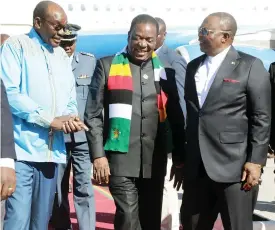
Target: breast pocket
x: 82, y: 87
x: 231, y: 91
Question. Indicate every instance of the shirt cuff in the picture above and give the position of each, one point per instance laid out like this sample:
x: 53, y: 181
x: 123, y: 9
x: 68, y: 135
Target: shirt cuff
x: 7, y: 162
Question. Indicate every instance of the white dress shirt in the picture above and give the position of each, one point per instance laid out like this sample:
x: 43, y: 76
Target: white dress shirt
x: 7, y: 162
x: 206, y: 74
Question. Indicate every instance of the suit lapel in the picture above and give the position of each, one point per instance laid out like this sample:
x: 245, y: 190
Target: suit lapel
x: 75, y: 61
x: 227, y: 67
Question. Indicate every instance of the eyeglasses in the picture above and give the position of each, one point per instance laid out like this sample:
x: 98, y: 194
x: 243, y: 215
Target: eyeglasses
x: 205, y: 32
x: 56, y: 27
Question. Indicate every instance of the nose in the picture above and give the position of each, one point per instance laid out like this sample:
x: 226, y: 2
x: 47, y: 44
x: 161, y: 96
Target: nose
x: 142, y: 44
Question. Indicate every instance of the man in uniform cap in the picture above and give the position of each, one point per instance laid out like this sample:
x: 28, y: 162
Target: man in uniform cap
x: 83, y: 65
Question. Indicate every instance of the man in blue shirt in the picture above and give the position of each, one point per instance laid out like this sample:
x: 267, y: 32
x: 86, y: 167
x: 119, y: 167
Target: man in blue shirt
x: 41, y: 92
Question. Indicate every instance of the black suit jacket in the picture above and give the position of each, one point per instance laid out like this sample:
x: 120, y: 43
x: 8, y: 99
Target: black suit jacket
x: 7, y: 138
x: 233, y: 125
x: 272, y: 79
x: 155, y: 149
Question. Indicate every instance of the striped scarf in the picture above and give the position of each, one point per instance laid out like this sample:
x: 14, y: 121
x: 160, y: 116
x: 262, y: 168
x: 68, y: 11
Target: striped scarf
x: 120, y: 87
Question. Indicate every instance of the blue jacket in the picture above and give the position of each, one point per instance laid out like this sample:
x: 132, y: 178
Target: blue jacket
x: 40, y: 86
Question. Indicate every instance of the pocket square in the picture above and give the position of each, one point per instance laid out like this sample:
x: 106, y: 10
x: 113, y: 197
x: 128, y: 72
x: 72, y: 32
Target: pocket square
x: 230, y: 80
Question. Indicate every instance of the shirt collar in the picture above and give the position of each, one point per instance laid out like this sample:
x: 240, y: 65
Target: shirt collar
x: 36, y: 38
x: 219, y: 57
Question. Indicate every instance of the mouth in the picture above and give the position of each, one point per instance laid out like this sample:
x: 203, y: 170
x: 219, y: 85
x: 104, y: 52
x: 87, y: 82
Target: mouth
x: 140, y: 52
x: 57, y: 40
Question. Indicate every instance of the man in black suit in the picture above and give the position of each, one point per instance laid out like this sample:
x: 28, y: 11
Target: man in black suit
x: 8, y: 179
x: 227, y: 96
x: 272, y: 79
x: 137, y: 174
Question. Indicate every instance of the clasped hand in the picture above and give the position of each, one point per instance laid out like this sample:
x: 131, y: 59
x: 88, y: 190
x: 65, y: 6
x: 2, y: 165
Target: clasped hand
x: 68, y: 124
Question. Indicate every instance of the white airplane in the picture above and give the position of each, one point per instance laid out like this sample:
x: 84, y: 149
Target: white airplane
x: 105, y: 23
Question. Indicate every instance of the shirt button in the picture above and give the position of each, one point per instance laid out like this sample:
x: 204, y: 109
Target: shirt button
x: 143, y: 83
x: 143, y: 117
x: 200, y: 114
x: 142, y: 134
x: 143, y: 100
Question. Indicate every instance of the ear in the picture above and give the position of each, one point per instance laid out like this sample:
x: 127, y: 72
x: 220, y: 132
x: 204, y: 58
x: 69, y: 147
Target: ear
x: 165, y: 33
x: 37, y: 22
x: 225, y: 37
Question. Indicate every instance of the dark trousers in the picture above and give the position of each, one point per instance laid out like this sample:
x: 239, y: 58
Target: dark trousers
x: 204, y: 198
x: 84, y: 203
x: 138, y: 202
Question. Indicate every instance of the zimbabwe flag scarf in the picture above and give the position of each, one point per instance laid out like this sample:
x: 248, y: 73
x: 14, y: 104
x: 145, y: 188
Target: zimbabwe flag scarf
x: 120, y: 87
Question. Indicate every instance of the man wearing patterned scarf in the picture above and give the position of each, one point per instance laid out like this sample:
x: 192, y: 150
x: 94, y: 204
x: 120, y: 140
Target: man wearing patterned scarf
x: 141, y: 105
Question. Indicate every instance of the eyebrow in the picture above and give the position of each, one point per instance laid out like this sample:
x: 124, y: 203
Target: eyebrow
x: 139, y: 35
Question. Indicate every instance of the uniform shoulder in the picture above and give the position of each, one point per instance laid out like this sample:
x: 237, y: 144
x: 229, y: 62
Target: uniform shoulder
x: 87, y: 54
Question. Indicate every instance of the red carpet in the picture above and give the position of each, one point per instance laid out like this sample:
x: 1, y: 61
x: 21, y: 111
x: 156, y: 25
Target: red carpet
x: 105, y: 210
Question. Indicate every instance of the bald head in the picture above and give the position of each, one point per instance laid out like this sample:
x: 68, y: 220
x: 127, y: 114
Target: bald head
x: 227, y: 22
x: 49, y: 21
x: 3, y: 38
x: 44, y: 8
x: 162, y: 32
x: 162, y: 25
x: 217, y: 32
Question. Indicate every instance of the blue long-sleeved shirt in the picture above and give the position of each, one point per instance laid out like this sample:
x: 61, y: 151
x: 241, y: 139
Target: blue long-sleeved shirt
x: 40, y: 86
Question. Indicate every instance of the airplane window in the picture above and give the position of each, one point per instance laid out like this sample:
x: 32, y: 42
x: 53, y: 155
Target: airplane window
x: 144, y: 9
x: 70, y: 7
x: 120, y: 8
x: 82, y: 7
x: 95, y: 8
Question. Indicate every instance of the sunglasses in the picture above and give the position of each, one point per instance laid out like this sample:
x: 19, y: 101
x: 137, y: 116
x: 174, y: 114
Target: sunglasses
x: 205, y: 32
x: 56, y: 27
x: 67, y: 43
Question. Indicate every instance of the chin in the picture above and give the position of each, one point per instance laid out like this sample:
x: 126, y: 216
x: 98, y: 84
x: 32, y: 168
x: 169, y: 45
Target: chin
x: 143, y: 58
x: 54, y: 44
x: 202, y: 49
